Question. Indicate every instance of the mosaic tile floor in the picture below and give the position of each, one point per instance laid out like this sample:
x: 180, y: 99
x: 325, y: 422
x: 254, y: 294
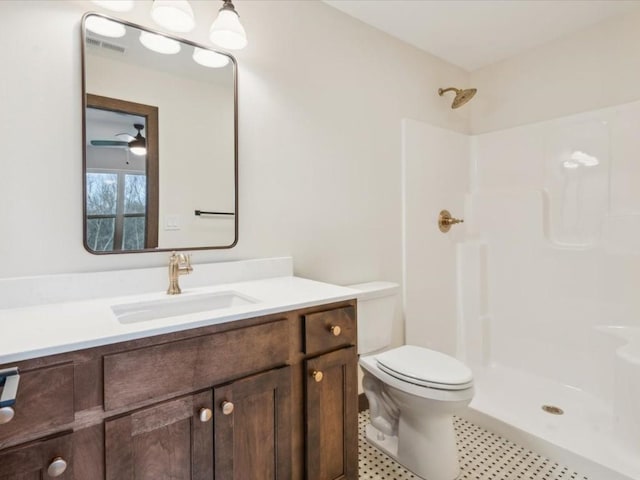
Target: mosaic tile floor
x: 483, y: 456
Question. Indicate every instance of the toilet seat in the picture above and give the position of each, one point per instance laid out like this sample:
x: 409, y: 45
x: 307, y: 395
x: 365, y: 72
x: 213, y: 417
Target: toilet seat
x: 426, y: 368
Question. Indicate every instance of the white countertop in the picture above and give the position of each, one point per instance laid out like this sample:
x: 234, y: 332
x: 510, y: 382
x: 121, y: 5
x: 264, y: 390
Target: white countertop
x: 35, y: 331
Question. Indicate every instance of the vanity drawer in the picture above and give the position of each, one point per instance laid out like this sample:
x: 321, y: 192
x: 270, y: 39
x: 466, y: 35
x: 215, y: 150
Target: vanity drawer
x: 329, y: 329
x: 191, y: 364
x: 42, y: 459
x: 44, y: 401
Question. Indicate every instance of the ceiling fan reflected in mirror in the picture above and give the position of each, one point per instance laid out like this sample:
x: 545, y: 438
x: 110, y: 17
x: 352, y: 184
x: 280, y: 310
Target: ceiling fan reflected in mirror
x: 137, y: 144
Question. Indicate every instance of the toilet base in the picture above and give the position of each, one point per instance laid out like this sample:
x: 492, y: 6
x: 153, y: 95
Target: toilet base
x: 443, y: 467
x: 387, y: 444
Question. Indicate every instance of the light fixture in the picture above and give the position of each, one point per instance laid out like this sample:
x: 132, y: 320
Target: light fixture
x: 138, y: 146
x: 159, y: 43
x: 105, y: 27
x: 115, y: 5
x: 209, y: 58
x: 174, y: 15
x: 227, y: 31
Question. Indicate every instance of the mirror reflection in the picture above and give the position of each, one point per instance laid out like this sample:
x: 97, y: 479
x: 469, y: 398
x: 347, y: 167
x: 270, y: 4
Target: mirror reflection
x: 160, y: 161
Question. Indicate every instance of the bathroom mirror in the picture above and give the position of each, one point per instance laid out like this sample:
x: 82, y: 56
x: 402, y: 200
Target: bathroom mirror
x: 159, y: 141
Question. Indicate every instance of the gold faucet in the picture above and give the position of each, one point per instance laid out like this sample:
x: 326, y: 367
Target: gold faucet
x: 179, y: 264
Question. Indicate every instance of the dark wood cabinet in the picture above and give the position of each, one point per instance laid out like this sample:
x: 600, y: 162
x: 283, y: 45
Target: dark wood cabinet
x: 172, y: 440
x: 253, y: 427
x: 51, y: 458
x: 332, y: 416
x: 186, y: 365
x: 233, y: 401
x: 329, y: 329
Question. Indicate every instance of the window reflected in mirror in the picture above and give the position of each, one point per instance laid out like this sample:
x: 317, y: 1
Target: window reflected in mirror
x: 121, y: 174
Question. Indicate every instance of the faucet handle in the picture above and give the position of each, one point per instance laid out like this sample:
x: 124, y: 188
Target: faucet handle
x: 185, y: 264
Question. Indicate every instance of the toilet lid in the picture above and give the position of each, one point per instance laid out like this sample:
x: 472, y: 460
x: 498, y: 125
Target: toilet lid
x: 425, y: 367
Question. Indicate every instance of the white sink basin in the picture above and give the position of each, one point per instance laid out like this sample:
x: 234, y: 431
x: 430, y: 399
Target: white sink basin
x: 178, y: 305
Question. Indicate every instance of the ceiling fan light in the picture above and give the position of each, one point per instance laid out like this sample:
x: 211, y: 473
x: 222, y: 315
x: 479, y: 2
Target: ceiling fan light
x: 138, y: 146
x: 209, y: 58
x: 159, y: 43
x: 115, y: 5
x: 105, y: 27
x: 227, y: 31
x: 139, y: 151
x: 174, y: 15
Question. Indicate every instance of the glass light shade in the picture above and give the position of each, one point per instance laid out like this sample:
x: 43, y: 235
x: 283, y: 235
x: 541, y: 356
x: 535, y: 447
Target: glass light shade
x: 138, y: 150
x: 208, y: 58
x: 138, y: 146
x: 115, y: 5
x: 227, y: 31
x: 105, y: 27
x: 174, y: 15
x: 159, y: 43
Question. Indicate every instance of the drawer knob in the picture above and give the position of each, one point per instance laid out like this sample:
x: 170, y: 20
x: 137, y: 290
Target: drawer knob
x: 335, y: 330
x: 227, y: 408
x: 317, y: 375
x: 57, y: 467
x: 6, y: 414
x: 205, y: 414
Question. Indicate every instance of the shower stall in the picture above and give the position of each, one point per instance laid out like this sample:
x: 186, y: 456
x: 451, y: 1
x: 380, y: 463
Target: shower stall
x: 539, y: 290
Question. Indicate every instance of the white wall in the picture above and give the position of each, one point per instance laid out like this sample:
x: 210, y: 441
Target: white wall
x: 321, y: 101
x: 435, y: 177
x: 594, y: 68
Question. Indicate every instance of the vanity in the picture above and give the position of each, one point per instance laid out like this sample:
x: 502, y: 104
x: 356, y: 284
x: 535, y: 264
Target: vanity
x: 260, y: 389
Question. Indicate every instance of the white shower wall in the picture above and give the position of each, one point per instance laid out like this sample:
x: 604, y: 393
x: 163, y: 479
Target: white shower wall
x: 557, y: 205
x: 538, y: 290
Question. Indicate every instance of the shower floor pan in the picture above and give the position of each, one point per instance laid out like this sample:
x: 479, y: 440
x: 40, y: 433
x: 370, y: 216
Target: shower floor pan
x: 509, y: 402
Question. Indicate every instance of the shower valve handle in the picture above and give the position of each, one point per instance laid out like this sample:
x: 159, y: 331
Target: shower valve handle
x: 445, y: 220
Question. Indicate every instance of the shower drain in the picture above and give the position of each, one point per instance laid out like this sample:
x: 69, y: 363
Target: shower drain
x: 552, y: 409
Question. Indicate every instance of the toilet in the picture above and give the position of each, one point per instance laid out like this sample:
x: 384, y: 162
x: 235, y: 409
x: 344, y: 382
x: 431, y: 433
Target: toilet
x: 413, y: 392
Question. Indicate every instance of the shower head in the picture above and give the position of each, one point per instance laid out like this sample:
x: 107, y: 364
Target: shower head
x: 462, y: 96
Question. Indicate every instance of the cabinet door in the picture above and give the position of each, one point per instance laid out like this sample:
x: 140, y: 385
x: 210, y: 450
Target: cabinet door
x: 332, y: 416
x: 169, y: 441
x: 253, y: 427
x: 46, y: 459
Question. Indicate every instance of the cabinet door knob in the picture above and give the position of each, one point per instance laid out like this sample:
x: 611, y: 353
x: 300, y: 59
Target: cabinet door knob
x: 317, y: 375
x: 57, y: 467
x: 227, y: 408
x: 335, y: 330
x: 205, y: 414
x: 6, y: 414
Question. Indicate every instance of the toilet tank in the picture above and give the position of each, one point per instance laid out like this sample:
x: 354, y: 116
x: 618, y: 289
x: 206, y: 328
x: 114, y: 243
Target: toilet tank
x: 376, y: 309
